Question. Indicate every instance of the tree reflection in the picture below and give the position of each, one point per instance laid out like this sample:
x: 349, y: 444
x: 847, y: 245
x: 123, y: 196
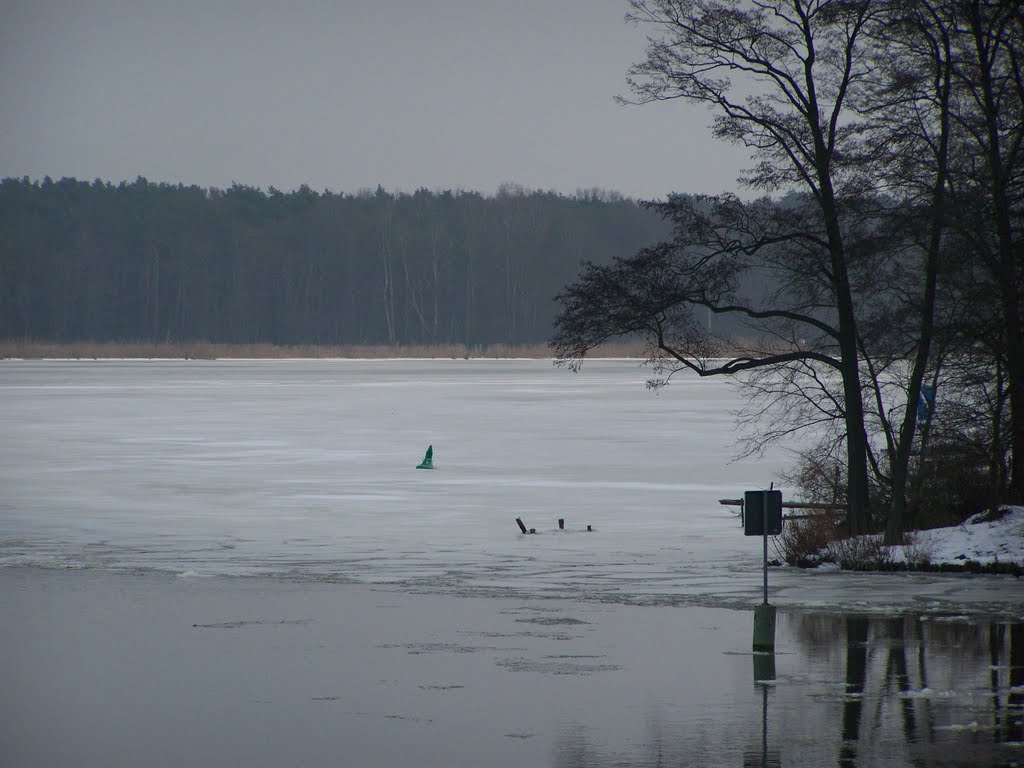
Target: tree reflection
x: 905, y: 691
x: 926, y: 707
x: 1015, y: 699
x: 856, y: 674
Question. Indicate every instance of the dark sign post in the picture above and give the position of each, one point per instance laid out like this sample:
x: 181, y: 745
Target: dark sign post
x: 762, y: 516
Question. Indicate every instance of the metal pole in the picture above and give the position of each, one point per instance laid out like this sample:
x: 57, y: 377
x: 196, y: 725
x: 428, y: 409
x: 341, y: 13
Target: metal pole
x: 764, y: 614
x: 765, y: 530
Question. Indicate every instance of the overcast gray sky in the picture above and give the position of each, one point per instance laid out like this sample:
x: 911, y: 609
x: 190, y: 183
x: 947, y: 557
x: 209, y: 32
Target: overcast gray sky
x: 343, y: 95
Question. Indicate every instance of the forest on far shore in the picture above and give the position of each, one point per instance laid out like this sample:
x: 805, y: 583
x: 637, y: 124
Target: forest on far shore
x: 157, y: 263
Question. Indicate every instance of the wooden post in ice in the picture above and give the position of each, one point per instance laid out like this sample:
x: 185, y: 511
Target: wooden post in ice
x: 522, y: 526
x: 561, y: 523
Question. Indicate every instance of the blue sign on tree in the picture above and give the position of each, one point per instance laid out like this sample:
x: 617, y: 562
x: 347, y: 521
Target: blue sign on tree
x: 926, y: 403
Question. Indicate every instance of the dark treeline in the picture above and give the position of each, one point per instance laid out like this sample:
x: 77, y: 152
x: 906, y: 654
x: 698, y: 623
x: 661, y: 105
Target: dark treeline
x: 156, y: 262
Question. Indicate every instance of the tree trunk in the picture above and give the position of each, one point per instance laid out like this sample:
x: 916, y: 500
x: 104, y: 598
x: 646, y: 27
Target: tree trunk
x: 858, y: 499
x: 1015, y: 376
x: 898, y: 522
x: 1008, y: 270
x: 858, y: 513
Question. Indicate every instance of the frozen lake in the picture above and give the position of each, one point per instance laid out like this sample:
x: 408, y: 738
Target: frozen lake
x: 244, y: 552
x: 306, y: 470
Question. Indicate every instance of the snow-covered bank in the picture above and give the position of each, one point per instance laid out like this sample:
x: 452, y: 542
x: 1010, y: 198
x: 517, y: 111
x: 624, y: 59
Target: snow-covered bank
x: 986, y: 538
x: 990, y: 542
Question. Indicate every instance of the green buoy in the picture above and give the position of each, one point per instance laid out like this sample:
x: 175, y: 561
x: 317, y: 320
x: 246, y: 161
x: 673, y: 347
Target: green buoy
x: 428, y: 459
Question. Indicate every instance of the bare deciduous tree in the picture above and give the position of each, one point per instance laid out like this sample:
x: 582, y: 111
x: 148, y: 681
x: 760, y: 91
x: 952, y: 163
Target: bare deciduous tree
x: 795, y: 64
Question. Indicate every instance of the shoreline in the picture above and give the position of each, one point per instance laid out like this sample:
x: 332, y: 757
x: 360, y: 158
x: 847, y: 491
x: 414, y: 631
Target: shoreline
x: 89, y: 350
x: 11, y: 349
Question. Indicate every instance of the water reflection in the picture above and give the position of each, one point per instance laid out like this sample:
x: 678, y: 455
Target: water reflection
x: 856, y: 676
x: 763, y: 757
x: 850, y: 691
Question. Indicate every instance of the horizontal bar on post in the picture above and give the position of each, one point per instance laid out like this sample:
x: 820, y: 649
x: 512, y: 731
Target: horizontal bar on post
x: 789, y: 505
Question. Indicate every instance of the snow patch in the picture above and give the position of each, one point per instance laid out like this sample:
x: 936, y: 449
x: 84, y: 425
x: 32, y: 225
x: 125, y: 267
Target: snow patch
x: 984, y: 538
x: 973, y: 727
x: 927, y: 693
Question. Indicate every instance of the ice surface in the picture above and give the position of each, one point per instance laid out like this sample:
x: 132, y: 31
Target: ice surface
x: 306, y: 469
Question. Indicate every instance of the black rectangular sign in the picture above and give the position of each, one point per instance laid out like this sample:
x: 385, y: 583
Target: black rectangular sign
x: 754, y: 504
